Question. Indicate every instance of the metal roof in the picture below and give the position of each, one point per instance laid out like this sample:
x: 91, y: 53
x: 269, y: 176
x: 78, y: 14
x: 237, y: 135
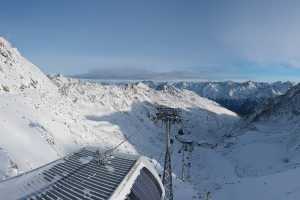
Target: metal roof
x: 80, y: 176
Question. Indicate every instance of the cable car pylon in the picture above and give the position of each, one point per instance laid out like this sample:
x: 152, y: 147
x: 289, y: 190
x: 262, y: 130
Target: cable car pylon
x: 168, y: 116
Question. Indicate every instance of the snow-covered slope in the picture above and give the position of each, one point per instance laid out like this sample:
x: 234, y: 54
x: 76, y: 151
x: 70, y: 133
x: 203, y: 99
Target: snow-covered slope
x: 128, y: 98
x: 265, y: 152
x: 42, y: 119
x: 238, y: 97
x: 17, y: 73
x: 130, y: 109
x: 37, y: 123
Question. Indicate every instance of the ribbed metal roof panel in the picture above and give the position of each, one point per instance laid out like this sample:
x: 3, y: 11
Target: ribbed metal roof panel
x: 80, y: 176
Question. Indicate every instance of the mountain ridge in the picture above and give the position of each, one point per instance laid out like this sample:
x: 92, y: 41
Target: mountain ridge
x: 240, y: 97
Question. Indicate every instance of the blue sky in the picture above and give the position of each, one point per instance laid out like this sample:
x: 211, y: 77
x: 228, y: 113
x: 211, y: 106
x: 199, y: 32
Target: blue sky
x: 213, y: 39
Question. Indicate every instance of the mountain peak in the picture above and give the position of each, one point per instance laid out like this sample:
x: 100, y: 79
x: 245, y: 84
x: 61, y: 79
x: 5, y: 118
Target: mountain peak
x: 17, y: 73
x: 8, y: 54
x: 4, y: 43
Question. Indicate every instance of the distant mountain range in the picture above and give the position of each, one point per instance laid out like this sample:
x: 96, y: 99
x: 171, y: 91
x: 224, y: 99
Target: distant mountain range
x: 282, y: 108
x: 240, y: 97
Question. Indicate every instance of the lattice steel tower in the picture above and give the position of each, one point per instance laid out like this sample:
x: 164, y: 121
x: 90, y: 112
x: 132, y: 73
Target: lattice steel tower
x: 168, y: 116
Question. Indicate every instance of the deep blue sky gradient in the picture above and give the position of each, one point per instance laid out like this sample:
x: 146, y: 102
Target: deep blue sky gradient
x: 218, y: 39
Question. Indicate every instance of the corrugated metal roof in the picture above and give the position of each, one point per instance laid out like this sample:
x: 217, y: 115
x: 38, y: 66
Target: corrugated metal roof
x: 80, y: 176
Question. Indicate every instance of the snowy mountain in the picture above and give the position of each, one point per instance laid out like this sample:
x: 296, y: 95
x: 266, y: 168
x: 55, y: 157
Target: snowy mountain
x: 281, y: 108
x: 130, y: 109
x: 44, y: 118
x: 265, y: 151
x: 17, y: 73
x: 241, y: 98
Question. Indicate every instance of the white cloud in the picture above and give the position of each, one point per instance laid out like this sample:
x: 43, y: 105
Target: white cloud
x: 264, y: 32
